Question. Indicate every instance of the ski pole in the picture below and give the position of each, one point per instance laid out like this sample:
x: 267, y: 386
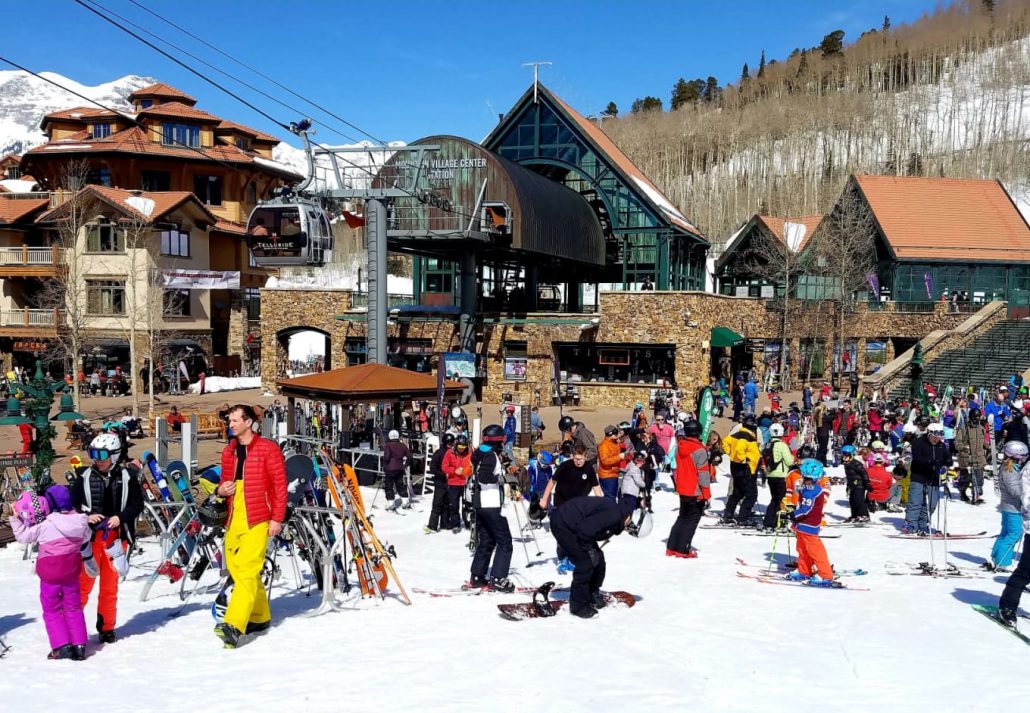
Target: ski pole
x: 776, y: 536
x: 522, y: 535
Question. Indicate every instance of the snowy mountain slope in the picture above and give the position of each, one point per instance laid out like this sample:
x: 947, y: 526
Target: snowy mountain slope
x: 699, y: 638
x: 25, y: 99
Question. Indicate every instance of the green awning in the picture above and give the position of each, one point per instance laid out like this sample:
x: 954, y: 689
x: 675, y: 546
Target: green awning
x: 726, y: 337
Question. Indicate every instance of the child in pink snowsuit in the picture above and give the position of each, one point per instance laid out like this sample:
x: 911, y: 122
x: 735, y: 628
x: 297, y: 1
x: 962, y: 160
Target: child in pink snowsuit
x: 60, y: 536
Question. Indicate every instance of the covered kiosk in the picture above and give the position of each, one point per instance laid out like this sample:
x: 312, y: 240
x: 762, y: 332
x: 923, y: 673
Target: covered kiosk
x: 728, y: 352
x: 362, y: 401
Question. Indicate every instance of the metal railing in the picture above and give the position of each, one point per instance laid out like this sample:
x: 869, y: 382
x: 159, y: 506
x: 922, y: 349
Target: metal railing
x: 26, y: 256
x: 28, y: 318
x: 360, y: 299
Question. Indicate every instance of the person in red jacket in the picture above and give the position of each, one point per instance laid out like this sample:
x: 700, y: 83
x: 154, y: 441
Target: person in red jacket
x: 457, y: 466
x: 882, y: 481
x: 693, y: 480
x: 254, y: 480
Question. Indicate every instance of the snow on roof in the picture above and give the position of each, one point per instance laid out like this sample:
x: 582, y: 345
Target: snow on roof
x: 659, y: 200
x: 142, y: 204
x: 65, y: 147
x: 794, y: 234
x: 18, y: 185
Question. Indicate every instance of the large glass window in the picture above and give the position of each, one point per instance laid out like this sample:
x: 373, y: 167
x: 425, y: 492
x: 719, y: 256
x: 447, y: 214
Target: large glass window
x: 817, y: 287
x: 105, y: 297
x: 105, y: 238
x: 155, y: 180
x: 180, y: 135
x: 208, y: 189
x: 252, y: 303
x: 356, y: 351
x: 617, y: 363
x: 176, y: 303
x: 175, y: 242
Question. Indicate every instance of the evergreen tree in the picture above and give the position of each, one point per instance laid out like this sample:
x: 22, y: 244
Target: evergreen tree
x: 646, y: 104
x: 679, y: 93
x: 761, y: 66
x: 988, y: 6
x: 832, y: 44
x: 712, y: 93
x: 886, y: 24
x: 611, y: 110
x: 744, y: 74
x: 803, y: 64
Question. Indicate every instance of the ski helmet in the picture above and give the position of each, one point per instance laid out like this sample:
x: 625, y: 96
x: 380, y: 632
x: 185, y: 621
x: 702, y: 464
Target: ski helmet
x: 457, y: 413
x: 750, y: 422
x: 776, y: 430
x: 104, y: 446
x: 624, y: 426
x: 641, y: 523
x: 493, y: 436
x: 877, y: 446
x: 545, y: 458
x: 811, y: 468
x: 610, y: 430
x: 681, y: 416
x: 805, y: 452
x: 393, y: 435
x: 848, y: 450
x: 510, y: 408
x: 461, y: 443
x: 31, y: 509
x: 1016, y: 450
x: 692, y: 429
x: 565, y: 423
x: 213, y: 512
x: 448, y: 440
x: 923, y: 421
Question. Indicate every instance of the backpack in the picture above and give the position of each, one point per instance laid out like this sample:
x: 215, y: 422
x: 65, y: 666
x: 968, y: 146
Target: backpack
x: 768, y: 460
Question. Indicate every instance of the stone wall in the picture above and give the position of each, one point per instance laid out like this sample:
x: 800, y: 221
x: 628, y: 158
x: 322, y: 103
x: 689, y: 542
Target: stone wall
x: 283, y: 310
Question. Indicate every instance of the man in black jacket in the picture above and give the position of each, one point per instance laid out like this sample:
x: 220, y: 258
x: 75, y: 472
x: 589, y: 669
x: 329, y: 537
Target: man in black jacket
x: 111, y: 497
x: 493, y: 535
x: 578, y: 525
x: 439, y: 484
x: 930, y: 458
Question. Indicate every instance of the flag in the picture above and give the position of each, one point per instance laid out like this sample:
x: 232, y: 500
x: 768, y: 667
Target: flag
x: 874, y: 283
x: 928, y: 280
x: 705, y: 413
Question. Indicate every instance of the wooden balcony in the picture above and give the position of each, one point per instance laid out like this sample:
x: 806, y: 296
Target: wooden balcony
x: 20, y: 322
x: 26, y: 261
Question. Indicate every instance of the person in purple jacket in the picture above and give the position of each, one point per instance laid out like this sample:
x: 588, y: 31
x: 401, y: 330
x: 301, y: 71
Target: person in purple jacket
x: 60, y: 535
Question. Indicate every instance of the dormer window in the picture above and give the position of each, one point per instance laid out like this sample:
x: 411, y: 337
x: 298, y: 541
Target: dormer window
x: 146, y: 103
x: 101, y: 131
x: 243, y: 142
x: 180, y: 135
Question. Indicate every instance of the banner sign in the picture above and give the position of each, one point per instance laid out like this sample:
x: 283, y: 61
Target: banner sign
x: 458, y: 365
x: 515, y: 368
x: 706, y: 414
x: 199, y: 279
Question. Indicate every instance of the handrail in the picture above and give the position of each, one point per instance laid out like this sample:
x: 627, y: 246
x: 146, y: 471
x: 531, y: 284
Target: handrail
x: 28, y: 317
x: 28, y: 256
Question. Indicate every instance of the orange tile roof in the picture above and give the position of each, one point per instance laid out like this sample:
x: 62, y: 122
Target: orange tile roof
x: 164, y: 202
x: 179, y: 110
x: 233, y: 126
x: 80, y: 114
x: 10, y: 157
x: 367, y: 382
x: 622, y: 161
x: 776, y: 225
x: 228, y: 226
x: 947, y: 218
x: 136, y: 141
x: 13, y: 210
x: 163, y: 91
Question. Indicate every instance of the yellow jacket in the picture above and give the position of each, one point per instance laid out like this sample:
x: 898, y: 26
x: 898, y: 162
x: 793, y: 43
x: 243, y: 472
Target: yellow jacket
x: 742, y: 447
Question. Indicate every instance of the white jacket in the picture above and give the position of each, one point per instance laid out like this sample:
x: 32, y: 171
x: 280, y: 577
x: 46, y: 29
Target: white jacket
x: 631, y: 482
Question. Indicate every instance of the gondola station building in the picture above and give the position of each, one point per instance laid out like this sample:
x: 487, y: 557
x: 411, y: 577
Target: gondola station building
x: 547, y: 255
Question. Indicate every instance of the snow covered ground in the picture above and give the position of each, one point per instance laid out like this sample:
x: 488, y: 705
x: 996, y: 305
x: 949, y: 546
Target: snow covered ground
x: 700, y: 638
x: 215, y: 384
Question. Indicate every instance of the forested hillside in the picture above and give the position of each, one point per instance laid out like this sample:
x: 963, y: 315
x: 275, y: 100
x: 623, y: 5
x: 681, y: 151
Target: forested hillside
x: 948, y: 95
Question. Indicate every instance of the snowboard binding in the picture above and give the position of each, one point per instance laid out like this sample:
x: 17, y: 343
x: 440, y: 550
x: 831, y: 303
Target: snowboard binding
x: 540, y: 600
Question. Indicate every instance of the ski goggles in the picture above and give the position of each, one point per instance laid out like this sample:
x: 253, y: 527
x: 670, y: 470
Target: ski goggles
x: 100, y: 453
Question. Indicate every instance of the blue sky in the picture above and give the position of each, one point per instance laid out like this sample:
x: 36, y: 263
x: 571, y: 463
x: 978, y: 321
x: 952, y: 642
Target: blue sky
x: 407, y: 69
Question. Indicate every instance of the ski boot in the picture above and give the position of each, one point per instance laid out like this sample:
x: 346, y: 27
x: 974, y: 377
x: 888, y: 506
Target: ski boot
x: 456, y: 530
x: 796, y: 576
x: 229, y: 635
x: 172, y: 571
x: 429, y: 530
x: 61, y: 652
x: 678, y: 555
x: 257, y: 627
x: 79, y: 652
x: 1007, y: 617
x: 394, y: 505
x: 597, y: 600
x: 108, y: 637
x: 476, y: 582
x: 585, y: 613
x: 817, y: 581
x: 199, y: 568
x: 503, y: 585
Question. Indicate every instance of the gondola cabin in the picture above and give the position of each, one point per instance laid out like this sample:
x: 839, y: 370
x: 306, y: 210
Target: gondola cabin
x: 289, y: 234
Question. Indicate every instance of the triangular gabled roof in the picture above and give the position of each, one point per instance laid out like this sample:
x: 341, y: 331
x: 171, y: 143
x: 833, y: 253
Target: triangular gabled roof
x: 945, y: 218
x: 367, y: 383
x: 163, y: 91
x: 15, y: 210
x: 794, y: 233
x: 180, y: 110
x: 633, y: 176
x: 144, y: 205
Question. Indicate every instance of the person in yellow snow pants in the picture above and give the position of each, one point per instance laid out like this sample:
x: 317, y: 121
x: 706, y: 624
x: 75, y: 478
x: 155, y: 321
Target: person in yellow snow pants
x: 245, y: 547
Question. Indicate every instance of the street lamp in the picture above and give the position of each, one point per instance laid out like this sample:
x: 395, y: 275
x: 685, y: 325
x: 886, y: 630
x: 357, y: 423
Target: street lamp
x: 37, y: 398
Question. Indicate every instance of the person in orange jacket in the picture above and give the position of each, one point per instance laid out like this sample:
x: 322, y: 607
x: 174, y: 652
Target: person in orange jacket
x: 813, y: 564
x: 609, y: 461
x: 795, y: 480
x: 457, y: 466
x: 693, y: 482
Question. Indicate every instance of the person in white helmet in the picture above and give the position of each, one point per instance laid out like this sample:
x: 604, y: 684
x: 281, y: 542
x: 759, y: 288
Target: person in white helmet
x: 779, y: 460
x: 396, y: 458
x: 111, y: 497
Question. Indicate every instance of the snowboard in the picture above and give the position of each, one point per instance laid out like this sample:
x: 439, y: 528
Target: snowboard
x: 541, y: 607
x: 992, y: 614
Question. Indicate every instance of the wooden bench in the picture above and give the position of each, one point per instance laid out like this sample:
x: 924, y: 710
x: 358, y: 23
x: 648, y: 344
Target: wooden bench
x: 208, y: 424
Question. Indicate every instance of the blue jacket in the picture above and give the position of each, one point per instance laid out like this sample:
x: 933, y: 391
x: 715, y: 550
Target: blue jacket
x: 509, y: 429
x: 993, y: 408
x: 808, y: 515
x: 751, y: 391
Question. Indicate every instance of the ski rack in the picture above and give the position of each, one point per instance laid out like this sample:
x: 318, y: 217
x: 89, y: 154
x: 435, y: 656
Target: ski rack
x: 329, y: 553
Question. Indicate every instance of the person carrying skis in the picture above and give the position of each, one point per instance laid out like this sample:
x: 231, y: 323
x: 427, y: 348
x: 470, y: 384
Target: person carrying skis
x: 1009, y: 602
x: 396, y: 457
x: 609, y: 461
x: 778, y: 463
x: 930, y: 458
x: 970, y: 437
x: 254, y: 482
x: 742, y: 448
x: 1009, y: 486
x: 457, y: 466
x: 439, y: 507
x: 693, y: 483
x: 63, y: 536
x: 813, y: 564
x: 111, y: 497
x: 578, y: 525
x: 494, y: 540
x: 858, y: 484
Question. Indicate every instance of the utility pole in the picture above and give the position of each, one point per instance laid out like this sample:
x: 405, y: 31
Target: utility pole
x: 536, y: 75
